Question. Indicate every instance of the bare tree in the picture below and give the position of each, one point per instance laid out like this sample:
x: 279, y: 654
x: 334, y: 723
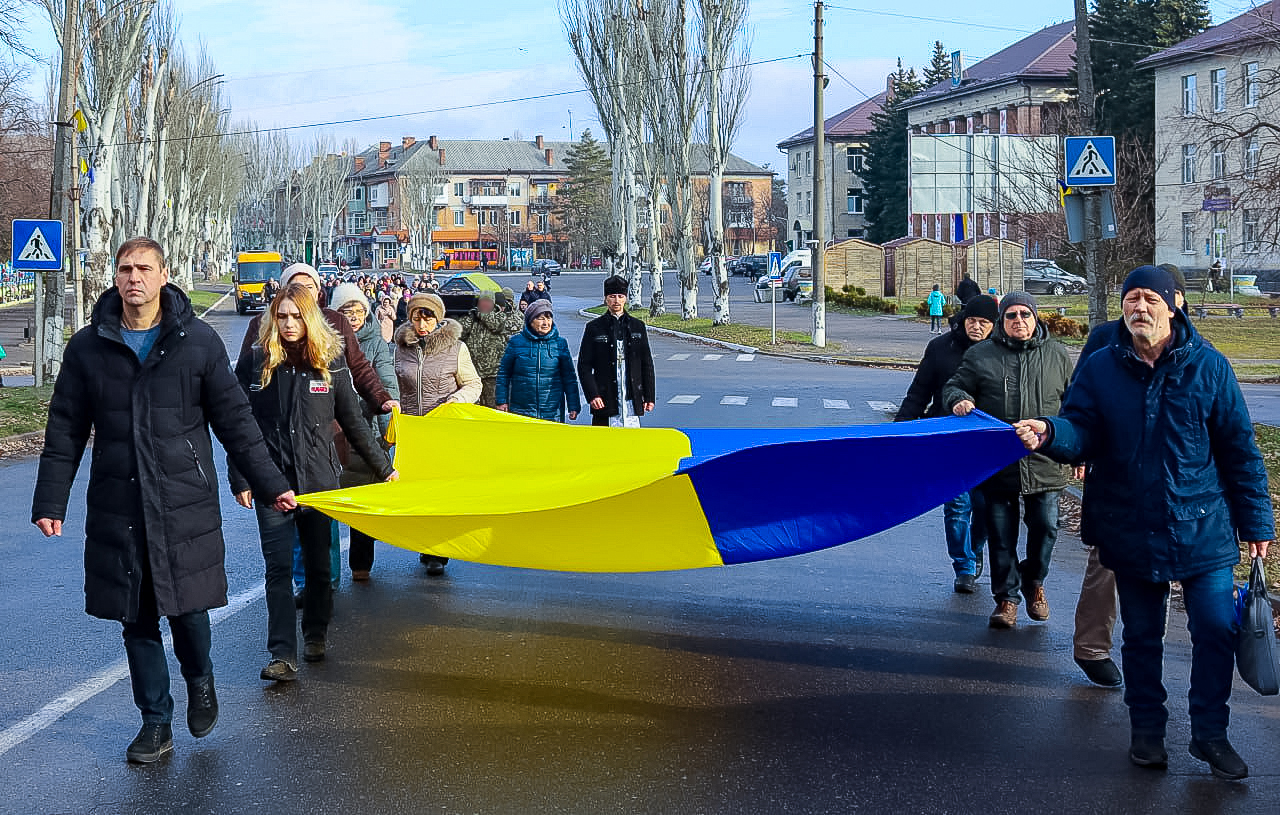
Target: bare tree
x: 421, y: 181
x: 26, y: 153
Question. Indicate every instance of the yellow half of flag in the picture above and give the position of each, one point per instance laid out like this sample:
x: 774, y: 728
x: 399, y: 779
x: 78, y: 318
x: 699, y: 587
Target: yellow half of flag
x: 80, y: 122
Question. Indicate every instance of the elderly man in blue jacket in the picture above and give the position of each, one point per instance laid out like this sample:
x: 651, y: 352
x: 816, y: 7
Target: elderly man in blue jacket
x: 1175, y: 480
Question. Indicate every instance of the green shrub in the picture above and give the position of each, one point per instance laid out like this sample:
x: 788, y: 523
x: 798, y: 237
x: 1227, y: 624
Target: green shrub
x: 857, y: 297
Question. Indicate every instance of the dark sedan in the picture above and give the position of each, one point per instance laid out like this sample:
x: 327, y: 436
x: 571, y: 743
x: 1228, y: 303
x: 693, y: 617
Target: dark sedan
x: 1047, y: 277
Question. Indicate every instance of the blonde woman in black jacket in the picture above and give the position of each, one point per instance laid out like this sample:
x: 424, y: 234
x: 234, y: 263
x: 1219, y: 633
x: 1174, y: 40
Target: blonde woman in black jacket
x: 298, y: 384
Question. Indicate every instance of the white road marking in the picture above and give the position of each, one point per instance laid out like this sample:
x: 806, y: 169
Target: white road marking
x: 684, y: 399
x: 678, y: 357
x: 835, y: 404
x: 746, y: 357
x: 883, y: 407
x: 786, y: 401
x: 734, y: 400
x: 711, y: 357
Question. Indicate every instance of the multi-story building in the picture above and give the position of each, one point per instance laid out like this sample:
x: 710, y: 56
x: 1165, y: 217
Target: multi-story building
x: 846, y: 148
x: 501, y: 194
x: 1216, y: 170
x: 1020, y: 91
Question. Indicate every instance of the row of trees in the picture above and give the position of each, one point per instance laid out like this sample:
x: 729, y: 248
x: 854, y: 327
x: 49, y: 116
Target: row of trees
x: 667, y: 79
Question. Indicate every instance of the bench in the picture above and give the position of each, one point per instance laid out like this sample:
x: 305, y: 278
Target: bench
x: 1203, y: 310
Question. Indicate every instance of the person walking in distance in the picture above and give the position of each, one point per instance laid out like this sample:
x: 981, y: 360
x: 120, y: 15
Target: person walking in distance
x: 1176, y: 487
x: 1021, y: 372
x: 615, y: 364
x: 963, y: 516
x: 936, y: 302
x: 298, y: 385
x: 149, y: 380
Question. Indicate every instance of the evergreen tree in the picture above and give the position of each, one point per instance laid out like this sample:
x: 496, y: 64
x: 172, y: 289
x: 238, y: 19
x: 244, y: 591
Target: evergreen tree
x: 939, y: 69
x: 888, y: 163
x: 582, y: 202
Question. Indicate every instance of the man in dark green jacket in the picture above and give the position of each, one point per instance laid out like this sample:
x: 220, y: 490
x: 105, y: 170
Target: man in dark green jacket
x: 1019, y: 374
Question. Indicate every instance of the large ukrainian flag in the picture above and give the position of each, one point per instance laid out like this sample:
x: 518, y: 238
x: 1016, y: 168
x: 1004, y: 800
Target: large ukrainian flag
x: 490, y: 487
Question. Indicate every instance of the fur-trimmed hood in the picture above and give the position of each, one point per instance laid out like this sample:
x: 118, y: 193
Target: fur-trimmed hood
x: 446, y: 335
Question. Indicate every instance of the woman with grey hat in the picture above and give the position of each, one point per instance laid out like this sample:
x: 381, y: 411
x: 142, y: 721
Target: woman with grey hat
x: 433, y: 366
x: 536, y: 376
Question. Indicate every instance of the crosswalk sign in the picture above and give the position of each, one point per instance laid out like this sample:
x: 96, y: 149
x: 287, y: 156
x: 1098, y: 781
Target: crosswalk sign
x: 775, y: 265
x: 37, y: 245
x: 1090, y: 161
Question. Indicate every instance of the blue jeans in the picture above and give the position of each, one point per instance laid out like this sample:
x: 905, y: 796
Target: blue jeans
x: 1041, y: 519
x: 1211, y: 621
x: 964, y: 518
x: 148, y: 666
x: 278, y: 531
x: 335, y: 560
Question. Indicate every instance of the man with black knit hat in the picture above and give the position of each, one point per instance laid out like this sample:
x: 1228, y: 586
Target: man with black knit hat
x: 1020, y: 373
x: 1176, y: 487
x: 966, y: 530
x: 1096, y: 608
x: 615, y: 365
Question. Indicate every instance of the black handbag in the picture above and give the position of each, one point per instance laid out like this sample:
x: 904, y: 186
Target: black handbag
x: 1256, y: 637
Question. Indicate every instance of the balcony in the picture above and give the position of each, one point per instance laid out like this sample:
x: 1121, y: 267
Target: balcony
x: 485, y: 200
x: 739, y: 199
x: 542, y: 200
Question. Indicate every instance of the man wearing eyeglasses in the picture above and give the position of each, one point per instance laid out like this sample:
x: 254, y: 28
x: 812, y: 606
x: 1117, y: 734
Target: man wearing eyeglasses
x: 1020, y: 374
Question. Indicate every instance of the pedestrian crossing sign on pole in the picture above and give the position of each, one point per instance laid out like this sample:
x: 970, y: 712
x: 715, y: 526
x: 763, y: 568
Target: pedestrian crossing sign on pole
x: 775, y: 265
x: 1090, y: 161
x: 37, y: 245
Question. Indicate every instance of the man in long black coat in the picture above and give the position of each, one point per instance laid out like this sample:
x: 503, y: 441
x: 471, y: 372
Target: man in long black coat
x: 148, y: 380
x: 598, y: 360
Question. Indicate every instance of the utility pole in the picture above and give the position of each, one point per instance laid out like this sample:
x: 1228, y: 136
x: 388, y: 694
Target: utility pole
x: 50, y: 289
x: 819, y: 244
x: 1092, y: 197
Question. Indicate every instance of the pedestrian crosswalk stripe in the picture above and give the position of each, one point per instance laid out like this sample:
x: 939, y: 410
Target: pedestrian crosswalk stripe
x: 785, y: 401
x: 734, y: 400
x: 678, y: 357
x: 746, y: 357
x: 835, y: 404
x: 683, y: 399
x: 883, y: 407
x: 711, y: 357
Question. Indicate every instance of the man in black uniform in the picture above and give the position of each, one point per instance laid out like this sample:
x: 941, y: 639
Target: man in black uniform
x: 615, y: 365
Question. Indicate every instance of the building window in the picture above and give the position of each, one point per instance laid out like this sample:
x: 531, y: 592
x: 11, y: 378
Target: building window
x: 808, y: 162
x: 513, y: 190
x: 1188, y: 233
x: 1218, y: 161
x: 356, y: 222
x: 544, y: 222
x: 855, y: 233
x: 1251, y: 84
x: 1189, y: 95
x: 380, y: 218
x: 357, y: 193
x: 856, y: 158
x: 459, y: 218
x: 513, y: 217
x: 493, y: 217
x: 1249, y: 230
x: 854, y: 198
x: 1218, y: 89
x: 808, y: 203
x: 459, y: 189
x: 1252, y: 149
x: 1188, y: 164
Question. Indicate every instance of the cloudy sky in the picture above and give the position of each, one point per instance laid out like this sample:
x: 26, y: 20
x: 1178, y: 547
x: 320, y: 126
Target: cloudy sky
x: 452, y: 68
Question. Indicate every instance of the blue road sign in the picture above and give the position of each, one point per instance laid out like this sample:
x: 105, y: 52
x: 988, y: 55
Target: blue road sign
x: 775, y: 265
x: 37, y: 245
x: 1090, y: 161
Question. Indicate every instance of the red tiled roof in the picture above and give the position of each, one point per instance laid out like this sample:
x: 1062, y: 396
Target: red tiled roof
x: 1048, y: 54
x: 1255, y: 25
x: 856, y: 121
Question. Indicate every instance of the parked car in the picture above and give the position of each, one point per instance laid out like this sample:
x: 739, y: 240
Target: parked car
x: 797, y: 283
x: 762, y: 288
x: 750, y: 265
x: 545, y: 267
x: 1047, y: 277
x: 460, y: 292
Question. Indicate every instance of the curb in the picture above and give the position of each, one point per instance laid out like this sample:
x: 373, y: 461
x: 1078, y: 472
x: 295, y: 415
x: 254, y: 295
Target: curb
x: 670, y: 332
x: 216, y: 303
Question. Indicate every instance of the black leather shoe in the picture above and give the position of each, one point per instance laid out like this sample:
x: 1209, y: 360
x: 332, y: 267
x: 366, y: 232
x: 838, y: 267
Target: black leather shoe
x: 1101, y: 672
x: 202, y: 707
x: 152, y: 742
x: 278, y: 670
x: 965, y: 584
x: 313, y: 651
x: 1222, y: 757
x: 1148, y: 751
x: 435, y: 565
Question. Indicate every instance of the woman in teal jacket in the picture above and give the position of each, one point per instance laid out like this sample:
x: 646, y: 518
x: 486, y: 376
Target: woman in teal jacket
x: 936, y: 301
x: 536, y: 376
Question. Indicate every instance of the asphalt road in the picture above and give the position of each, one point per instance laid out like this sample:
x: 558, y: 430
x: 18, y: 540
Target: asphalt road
x: 847, y: 680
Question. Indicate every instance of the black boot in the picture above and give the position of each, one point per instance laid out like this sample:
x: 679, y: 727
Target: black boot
x: 202, y: 707
x: 1148, y: 751
x: 152, y: 742
x: 1222, y: 757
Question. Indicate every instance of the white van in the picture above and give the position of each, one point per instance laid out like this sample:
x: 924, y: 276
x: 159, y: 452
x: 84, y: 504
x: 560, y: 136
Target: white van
x: 797, y: 257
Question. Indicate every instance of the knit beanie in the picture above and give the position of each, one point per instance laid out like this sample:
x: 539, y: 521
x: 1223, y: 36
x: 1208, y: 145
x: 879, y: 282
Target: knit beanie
x: 295, y: 269
x: 1179, y: 282
x: 345, y: 293
x: 1018, y: 298
x: 1153, y: 278
x: 535, y: 308
x: 615, y: 285
x: 981, y: 306
x: 426, y: 300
